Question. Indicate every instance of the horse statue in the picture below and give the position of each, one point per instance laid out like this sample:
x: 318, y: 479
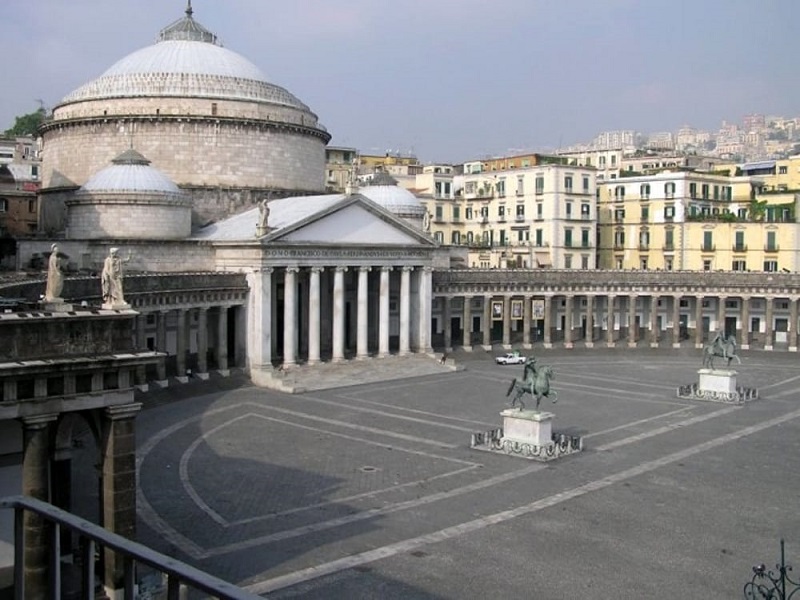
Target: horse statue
x: 723, y: 346
x: 536, y: 382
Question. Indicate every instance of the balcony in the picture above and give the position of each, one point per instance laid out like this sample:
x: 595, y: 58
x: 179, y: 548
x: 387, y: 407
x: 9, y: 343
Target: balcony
x: 771, y: 248
x: 619, y: 246
x: 644, y: 247
x: 708, y: 248
x: 669, y: 247
x: 520, y: 193
x: 740, y: 248
x: 519, y: 218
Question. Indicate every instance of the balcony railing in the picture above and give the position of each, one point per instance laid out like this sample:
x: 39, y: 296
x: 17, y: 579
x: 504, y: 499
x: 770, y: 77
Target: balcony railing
x: 739, y: 248
x: 771, y: 248
x: 519, y: 218
x: 669, y: 247
x: 93, y: 539
x: 708, y: 248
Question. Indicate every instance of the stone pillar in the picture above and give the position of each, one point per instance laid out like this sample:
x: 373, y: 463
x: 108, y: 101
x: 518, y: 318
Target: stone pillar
x: 610, y: 321
x: 222, y: 342
x: 569, y: 308
x: 425, y: 290
x: 526, y: 322
x: 405, y: 310
x: 506, y: 323
x: 466, y: 329
x: 548, y: 320
x: 119, y: 484
x: 589, y: 322
x: 259, y: 334
x: 181, y: 340
x: 338, y: 314
x: 632, y: 321
x: 161, y: 344
x: 768, y: 324
x: 383, y: 310
x: 698, y: 322
x: 721, y: 313
x: 745, y: 335
x: 290, y: 316
x: 202, y: 343
x: 362, y: 321
x: 448, y: 323
x: 654, y: 333
x: 35, y: 475
x: 487, y: 322
x: 314, y: 315
x: 676, y: 321
x: 793, y: 324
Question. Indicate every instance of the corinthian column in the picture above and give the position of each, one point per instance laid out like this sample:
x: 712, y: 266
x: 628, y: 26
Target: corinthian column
x: 289, y: 317
x: 338, y: 314
x: 313, y: 315
x: 405, y: 310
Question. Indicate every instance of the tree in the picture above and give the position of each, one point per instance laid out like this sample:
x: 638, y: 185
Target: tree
x: 26, y: 124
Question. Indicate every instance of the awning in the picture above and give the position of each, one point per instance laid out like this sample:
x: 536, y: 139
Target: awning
x: 543, y: 259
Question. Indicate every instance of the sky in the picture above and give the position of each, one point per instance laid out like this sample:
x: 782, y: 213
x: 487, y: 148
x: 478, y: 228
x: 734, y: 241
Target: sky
x: 446, y: 80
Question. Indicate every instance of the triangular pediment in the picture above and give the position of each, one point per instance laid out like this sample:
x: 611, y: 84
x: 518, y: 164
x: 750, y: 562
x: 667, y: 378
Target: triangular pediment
x: 354, y: 220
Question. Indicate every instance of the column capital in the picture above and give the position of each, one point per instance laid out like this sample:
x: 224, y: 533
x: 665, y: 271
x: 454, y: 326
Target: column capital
x: 38, y: 421
x: 406, y: 268
x: 340, y: 269
x: 265, y: 270
x: 427, y: 269
x: 364, y: 269
x: 123, y: 411
x: 316, y: 269
x: 292, y: 269
x: 385, y: 269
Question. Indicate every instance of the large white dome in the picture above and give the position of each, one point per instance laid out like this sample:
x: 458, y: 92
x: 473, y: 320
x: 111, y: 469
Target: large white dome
x: 383, y: 190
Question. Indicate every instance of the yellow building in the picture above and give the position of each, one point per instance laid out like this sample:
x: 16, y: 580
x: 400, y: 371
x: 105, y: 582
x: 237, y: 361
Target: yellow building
x: 692, y: 220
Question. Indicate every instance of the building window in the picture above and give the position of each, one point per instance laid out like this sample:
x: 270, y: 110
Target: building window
x: 644, y: 240
x: 669, y: 189
x: 539, y: 237
x: 568, y: 183
x: 783, y: 170
x: 644, y: 191
x: 708, y: 241
x: 705, y: 191
x: 501, y: 211
x: 438, y: 213
x: 439, y: 237
x: 585, y: 211
x: 645, y: 213
x: 568, y: 238
x: 567, y: 261
x: 469, y: 237
x: 585, y: 233
x: 668, y: 263
x: 520, y: 210
x: 618, y: 262
x: 693, y: 190
x: 501, y: 188
x: 520, y: 186
x: 738, y: 245
x: 669, y: 212
x: 468, y: 213
x: 771, y: 266
x: 706, y: 265
x: 643, y: 264
x: 456, y: 213
x: 585, y: 184
x: 539, y: 210
x: 619, y: 214
x: 619, y: 239
x: 3, y: 205
x: 771, y: 245
x: 540, y: 185
x: 739, y: 265
x: 569, y: 209
x: 214, y: 109
x: 669, y: 237
x: 619, y: 192
x: 455, y: 238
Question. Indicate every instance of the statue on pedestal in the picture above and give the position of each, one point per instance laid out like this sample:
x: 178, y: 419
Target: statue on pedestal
x: 723, y: 346
x: 55, y: 276
x: 111, y: 280
x: 263, y: 217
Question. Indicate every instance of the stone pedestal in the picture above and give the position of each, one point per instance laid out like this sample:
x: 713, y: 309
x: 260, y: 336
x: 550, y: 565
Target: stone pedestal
x: 116, y: 306
x: 528, y: 426
x: 717, y: 380
x: 55, y: 305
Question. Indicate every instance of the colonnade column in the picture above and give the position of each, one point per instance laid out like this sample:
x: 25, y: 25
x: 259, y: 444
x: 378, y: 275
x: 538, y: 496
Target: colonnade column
x: 338, y: 314
x: 506, y: 322
x: 632, y: 321
x: 119, y: 485
x: 289, y: 316
x: 181, y: 347
x: 721, y: 313
x: 526, y: 322
x: 141, y: 337
x: 698, y: 322
x: 466, y: 329
x: 548, y: 320
x: 161, y: 345
x: 768, y: 325
x: 313, y: 315
x: 610, y: 321
x: 589, y: 337
x: 448, y: 323
x: 676, y: 321
x: 362, y: 323
x: 425, y: 289
x: 654, y: 322
x: 568, y: 309
x: 222, y: 341
x: 405, y: 310
x: 35, y: 460
x: 383, y: 308
x: 745, y: 335
x: 487, y: 322
x: 792, y: 325
x: 202, y: 343
x: 259, y: 334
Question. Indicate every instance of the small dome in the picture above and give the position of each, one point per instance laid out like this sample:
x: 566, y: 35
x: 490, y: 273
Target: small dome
x: 131, y: 172
x: 383, y: 190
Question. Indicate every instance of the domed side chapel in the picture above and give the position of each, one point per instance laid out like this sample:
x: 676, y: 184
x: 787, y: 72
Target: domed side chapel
x: 202, y: 166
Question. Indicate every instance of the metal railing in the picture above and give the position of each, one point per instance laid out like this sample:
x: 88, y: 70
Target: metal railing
x: 91, y: 539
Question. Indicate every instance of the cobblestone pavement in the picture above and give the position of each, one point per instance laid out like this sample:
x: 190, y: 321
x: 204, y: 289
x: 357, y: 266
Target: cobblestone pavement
x: 372, y: 491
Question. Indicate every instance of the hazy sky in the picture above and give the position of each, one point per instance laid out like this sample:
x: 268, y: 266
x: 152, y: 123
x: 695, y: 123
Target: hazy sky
x: 450, y: 80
